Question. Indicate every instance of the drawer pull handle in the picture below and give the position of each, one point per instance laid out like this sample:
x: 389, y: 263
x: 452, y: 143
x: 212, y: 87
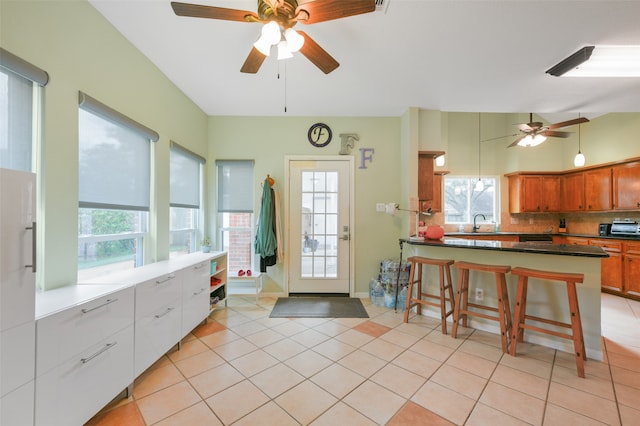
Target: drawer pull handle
x: 198, y: 266
x: 169, y: 278
x: 108, y: 302
x: 198, y: 292
x: 164, y: 313
x: 105, y: 348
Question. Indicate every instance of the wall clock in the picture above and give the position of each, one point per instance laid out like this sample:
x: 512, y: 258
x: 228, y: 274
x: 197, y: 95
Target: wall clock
x: 319, y: 135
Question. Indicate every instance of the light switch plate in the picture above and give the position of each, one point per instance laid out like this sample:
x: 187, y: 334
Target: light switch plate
x: 380, y: 207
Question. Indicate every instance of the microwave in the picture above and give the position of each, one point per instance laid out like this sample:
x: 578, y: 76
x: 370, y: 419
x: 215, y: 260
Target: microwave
x: 604, y: 229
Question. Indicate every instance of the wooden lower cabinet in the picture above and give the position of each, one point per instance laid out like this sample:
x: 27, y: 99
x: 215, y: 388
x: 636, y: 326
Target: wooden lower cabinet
x: 611, y: 270
x: 632, y: 268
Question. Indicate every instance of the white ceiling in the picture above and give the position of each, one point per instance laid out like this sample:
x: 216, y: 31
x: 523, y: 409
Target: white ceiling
x: 448, y: 55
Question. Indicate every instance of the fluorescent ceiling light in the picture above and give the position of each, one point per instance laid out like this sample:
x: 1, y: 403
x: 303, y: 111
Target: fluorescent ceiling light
x: 600, y: 61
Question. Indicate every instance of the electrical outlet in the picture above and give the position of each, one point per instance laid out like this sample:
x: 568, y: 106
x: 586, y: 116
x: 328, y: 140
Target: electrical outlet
x: 479, y: 295
x: 380, y: 207
x: 530, y: 221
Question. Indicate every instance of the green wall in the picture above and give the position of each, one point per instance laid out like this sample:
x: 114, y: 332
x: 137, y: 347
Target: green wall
x: 267, y: 140
x: 81, y: 51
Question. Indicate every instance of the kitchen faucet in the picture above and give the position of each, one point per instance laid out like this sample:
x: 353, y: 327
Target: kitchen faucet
x: 475, y: 227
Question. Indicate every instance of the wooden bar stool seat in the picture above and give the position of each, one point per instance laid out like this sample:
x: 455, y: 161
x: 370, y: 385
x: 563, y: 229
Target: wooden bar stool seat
x: 444, y: 270
x: 570, y: 279
x: 462, y: 304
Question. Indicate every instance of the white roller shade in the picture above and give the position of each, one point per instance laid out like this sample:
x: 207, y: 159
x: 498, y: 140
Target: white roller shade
x: 235, y: 186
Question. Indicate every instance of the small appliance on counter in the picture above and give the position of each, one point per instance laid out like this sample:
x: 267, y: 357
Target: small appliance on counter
x: 629, y: 228
x: 563, y: 226
x: 604, y: 229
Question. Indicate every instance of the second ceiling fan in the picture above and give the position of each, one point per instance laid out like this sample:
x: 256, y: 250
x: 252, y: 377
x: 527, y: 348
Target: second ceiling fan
x: 279, y: 17
x: 534, y: 132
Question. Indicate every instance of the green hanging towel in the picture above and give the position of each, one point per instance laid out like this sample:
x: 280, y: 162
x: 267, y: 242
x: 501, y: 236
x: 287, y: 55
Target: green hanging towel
x: 266, y: 243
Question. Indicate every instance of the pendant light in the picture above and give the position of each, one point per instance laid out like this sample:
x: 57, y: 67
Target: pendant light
x: 579, y: 159
x: 479, y: 184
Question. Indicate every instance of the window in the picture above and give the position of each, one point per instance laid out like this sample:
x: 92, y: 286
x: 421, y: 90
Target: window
x: 185, y: 182
x: 114, y: 189
x: 235, y: 212
x: 464, y: 198
x: 20, y: 104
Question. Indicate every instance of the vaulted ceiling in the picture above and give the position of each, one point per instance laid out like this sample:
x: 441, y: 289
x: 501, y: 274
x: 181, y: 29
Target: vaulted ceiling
x: 449, y: 55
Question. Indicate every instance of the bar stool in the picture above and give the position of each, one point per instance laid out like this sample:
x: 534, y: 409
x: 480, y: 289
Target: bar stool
x: 443, y: 267
x: 570, y: 279
x: 462, y: 304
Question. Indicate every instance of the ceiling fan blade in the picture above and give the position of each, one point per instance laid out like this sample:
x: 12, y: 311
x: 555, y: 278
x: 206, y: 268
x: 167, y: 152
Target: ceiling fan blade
x: 516, y: 141
x: 569, y: 123
x: 212, y: 12
x: 253, y: 62
x: 327, y: 10
x: 555, y: 134
x: 317, y: 54
x: 500, y: 137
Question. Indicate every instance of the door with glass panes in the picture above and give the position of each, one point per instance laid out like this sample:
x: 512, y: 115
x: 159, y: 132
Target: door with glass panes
x: 319, y: 226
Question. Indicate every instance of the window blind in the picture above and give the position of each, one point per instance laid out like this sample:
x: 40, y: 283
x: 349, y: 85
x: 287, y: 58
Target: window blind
x: 235, y: 186
x: 184, y: 186
x: 114, y: 165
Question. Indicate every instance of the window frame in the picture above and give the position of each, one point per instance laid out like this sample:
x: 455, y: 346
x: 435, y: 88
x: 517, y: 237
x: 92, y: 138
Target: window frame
x: 140, y: 224
x: 471, y: 182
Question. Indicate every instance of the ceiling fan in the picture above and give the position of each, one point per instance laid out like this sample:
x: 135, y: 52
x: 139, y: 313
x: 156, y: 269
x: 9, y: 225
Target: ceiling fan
x: 279, y: 17
x: 534, y: 132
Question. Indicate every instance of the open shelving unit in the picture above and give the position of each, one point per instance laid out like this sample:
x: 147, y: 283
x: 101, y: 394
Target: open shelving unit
x: 218, y: 281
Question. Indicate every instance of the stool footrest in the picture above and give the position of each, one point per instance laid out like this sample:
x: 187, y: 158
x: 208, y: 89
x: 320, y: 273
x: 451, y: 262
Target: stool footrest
x: 546, y: 331
x: 548, y: 321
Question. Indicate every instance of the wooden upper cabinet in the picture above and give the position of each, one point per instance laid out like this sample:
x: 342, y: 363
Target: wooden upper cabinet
x: 534, y: 193
x: 551, y: 193
x: 597, y: 189
x: 425, y: 177
x: 427, y: 180
x: 626, y: 186
x: 572, y: 192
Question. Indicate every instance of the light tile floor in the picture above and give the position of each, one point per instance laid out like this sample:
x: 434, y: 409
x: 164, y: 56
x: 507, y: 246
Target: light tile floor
x: 244, y: 368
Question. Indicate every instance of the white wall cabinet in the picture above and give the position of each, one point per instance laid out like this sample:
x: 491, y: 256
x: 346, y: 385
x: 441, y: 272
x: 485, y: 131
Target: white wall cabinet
x: 17, y: 296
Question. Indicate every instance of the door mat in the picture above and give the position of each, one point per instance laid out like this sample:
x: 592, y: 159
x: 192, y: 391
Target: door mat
x: 318, y: 307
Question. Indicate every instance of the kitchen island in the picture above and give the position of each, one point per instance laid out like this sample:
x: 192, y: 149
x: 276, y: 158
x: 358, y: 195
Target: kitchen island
x: 545, y: 299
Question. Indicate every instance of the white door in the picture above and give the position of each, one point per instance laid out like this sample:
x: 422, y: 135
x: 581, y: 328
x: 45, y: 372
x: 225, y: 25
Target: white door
x: 320, y: 226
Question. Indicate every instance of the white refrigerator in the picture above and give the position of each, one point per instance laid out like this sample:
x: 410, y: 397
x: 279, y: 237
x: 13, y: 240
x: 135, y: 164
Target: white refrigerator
x: 17, y: 296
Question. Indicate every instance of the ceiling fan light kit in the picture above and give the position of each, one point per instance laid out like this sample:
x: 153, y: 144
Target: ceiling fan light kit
x: 532, y: 140
x: 600, y: 61
x: 278, y: 17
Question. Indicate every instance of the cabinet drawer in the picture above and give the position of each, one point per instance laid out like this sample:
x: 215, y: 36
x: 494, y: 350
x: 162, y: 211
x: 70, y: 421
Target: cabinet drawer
x: 194, y: 278
x: 17, y: 357
x: 195, y: 308
x: 632, y: 248
x: 607, y: 245
x: 72, y: 392
x: 156, y: 293
x: 155, y: 334
x: 66, y: 333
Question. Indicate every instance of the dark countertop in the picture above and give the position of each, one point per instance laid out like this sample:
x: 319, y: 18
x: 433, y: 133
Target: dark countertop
x: 533, y: 234
x: 526, y: 247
